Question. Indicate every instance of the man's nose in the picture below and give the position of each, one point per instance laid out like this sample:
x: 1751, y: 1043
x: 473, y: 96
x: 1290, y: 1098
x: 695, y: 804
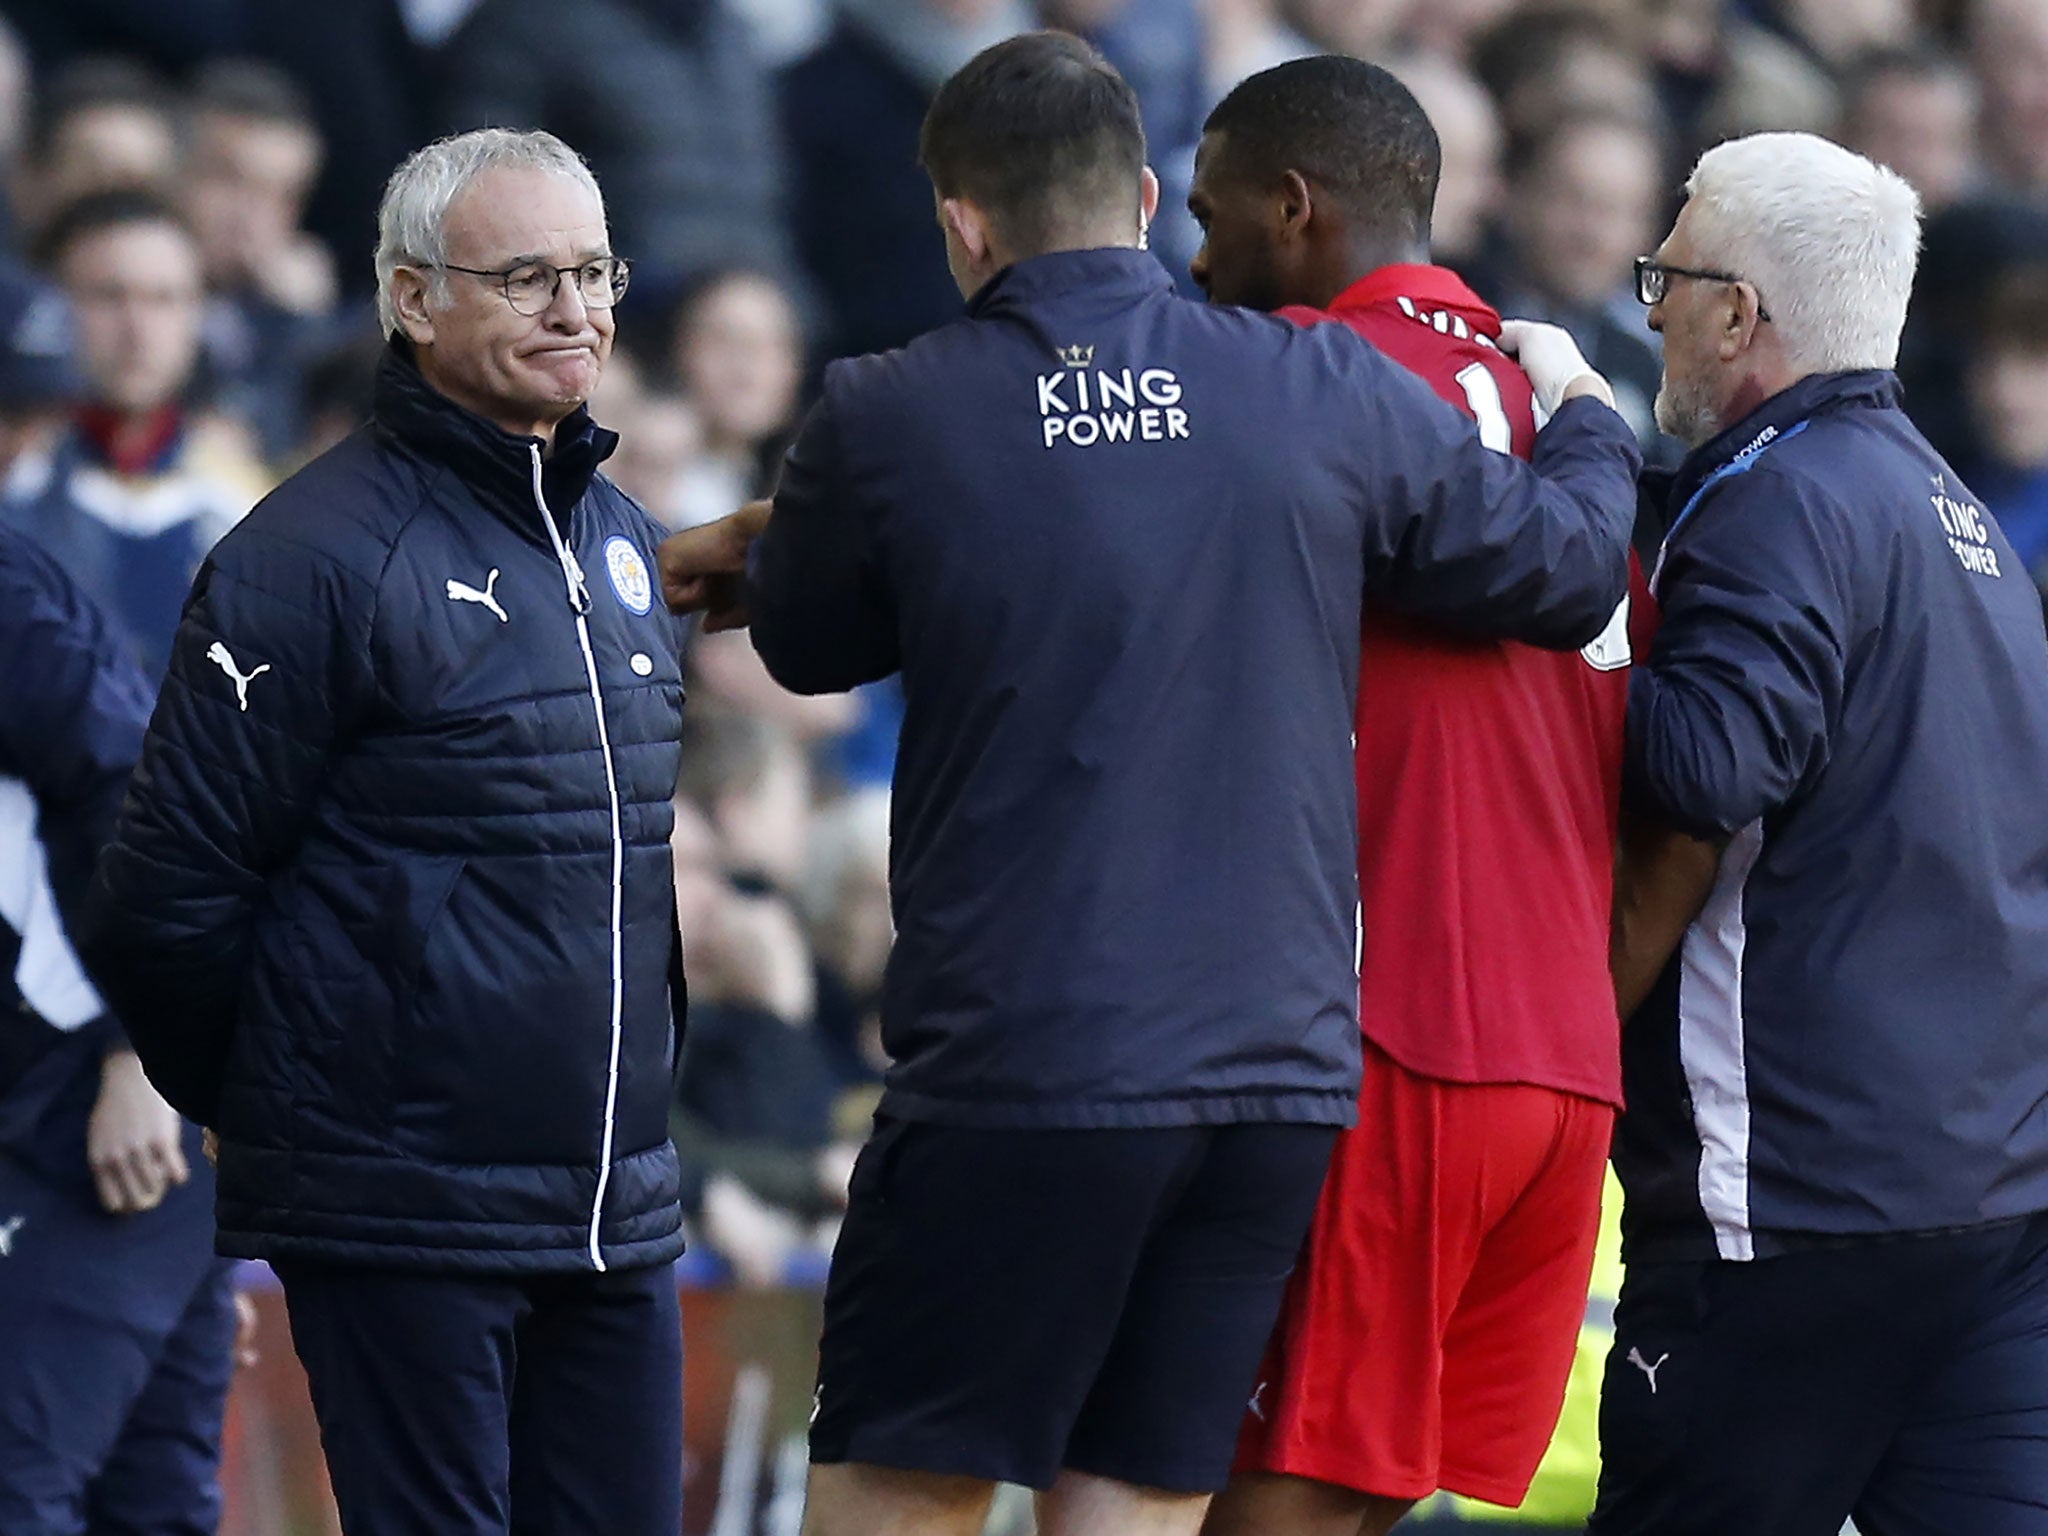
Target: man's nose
x: 567, y: 309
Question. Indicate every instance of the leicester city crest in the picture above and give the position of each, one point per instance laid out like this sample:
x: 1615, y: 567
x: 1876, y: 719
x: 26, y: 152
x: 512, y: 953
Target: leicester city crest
x: 628, y: 571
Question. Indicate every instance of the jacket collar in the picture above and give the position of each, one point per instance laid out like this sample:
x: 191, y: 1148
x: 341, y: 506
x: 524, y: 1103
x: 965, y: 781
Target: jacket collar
x: 1110, y: 273
x: 495, y: 465
x: 1778, y: 417
x: 1427, y: 287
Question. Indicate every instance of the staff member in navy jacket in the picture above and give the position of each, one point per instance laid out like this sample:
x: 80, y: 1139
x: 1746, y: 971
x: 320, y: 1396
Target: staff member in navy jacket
x: 115, y: 1316
x: 1117, y: 544
x: 1835, y: 1154
x: 390, y: 905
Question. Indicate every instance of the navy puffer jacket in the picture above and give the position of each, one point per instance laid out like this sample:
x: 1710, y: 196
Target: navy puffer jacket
x: 390, y: 904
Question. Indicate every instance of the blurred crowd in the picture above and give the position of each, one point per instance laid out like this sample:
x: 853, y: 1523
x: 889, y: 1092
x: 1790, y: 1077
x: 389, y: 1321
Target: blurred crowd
x: 187, y: 196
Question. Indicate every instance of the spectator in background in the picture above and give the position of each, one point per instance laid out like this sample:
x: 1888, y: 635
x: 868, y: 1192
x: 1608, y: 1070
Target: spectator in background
x: 1246, y: 36
x: 137, y: 490
x: 2009, y: 47
x: 2008, y: 391
x: 1467, y: 127
x: 660, y: 437
x: 1547, y: 63
x: 860, y: 207
x: 1361, y: 28
x: 738, y: 360
x: 101, y: 124
x: 1583, y: 200
x: 336, y: 394
x: 1915, y: 110
x: 253, y: 155
x: 1447, y: 28
x: 749, y: 779
x: 667, y: 103
x: 39, y: 379
x: 753, y: 1118
x: 846, y: 902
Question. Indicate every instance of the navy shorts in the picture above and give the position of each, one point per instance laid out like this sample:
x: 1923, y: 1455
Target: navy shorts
x: 1903, y: 1381
x: 1006, y: 1303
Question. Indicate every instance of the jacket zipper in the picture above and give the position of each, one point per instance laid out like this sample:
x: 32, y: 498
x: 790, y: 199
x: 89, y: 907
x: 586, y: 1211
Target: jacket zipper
x: 579, y: 604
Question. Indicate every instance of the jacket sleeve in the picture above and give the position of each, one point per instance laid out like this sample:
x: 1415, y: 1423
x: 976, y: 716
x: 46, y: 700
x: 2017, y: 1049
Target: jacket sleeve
x: 820, y: 611
x: 1737, y: 708
x: 1470, y: 537
x: 71, y: 722
x: 268, y: 676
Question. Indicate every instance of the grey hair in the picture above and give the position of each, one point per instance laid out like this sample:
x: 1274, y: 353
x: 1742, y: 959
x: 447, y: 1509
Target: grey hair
x: 1829, y: 239
x: 412, y: 219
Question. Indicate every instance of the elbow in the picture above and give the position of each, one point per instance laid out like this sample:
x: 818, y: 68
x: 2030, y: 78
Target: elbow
x: 795, y: 667
x: 1590, y: 614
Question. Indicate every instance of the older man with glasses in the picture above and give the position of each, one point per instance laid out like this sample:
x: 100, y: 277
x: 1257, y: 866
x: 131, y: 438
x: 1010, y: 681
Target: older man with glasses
x: 390, y: 906
x: 1832, y: 921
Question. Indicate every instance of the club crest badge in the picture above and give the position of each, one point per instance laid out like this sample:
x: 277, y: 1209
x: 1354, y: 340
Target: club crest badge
x: 628, y: 572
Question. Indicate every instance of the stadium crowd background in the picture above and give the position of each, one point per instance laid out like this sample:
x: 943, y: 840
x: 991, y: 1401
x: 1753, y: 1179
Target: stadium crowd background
x: 758, y: 160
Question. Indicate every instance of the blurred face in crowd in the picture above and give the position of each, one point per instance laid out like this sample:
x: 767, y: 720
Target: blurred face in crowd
x: 98, y: 148
x: 1468, y: 136
x: 1361, y: 28
x: 1921, y: 124
x: 136, y: 299
x: 523, y: 372
x: 1242, y: 260
x: 1449, y: 26
x: 1839, y: 30
x: 2009, y: 388
x: 247, y: 183
x: 1583, y: 211
x: 2011, y: 54
x: 739, y: 355
x: 1593, y: 75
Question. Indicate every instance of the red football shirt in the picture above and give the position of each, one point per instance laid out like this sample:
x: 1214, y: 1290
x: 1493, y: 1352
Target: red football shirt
x: 1489, y: 776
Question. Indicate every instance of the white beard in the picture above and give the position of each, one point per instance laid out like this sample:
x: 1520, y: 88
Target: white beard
x: 1687, y: 411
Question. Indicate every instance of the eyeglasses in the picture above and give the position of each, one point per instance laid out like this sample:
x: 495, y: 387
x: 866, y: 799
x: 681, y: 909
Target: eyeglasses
x: 1653, y: 278
x: 531, y: 286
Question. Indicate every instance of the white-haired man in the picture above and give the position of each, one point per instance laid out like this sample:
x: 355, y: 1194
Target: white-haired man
x: 1836, y: 1147
x: 390, y: 906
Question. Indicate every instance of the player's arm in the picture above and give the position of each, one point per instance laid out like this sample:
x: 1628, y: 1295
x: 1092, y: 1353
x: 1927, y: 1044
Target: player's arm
x: 229, y: 775
x: 71, y: 723
x: 820, y: 610
x: 1479, y: 540
x: 1662, y: 879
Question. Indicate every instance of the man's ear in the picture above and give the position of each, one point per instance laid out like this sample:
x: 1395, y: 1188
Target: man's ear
x: 409, y: 299
x: 969, y: 226
x: 1148, y: 197
x: 1739, y: 321
x: 1294, y: 205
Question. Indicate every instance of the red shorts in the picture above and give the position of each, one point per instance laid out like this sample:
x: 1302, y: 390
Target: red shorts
x: 1429, y: 1328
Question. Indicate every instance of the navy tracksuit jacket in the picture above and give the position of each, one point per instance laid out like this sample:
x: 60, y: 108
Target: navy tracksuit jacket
x: 114, y: 1330
x: 1118, y: 544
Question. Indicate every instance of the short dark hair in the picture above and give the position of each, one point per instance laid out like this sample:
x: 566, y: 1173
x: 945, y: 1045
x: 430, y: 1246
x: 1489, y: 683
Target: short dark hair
x: 252, y: 89
x: 112, y: 209
x: 1346, y: 125
x: 95, y: 82
x: 1041, y: 131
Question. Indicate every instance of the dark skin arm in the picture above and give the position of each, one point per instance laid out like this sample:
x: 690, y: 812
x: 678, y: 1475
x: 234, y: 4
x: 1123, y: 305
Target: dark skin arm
x: 704, y: 569
x: 1662, y: 879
